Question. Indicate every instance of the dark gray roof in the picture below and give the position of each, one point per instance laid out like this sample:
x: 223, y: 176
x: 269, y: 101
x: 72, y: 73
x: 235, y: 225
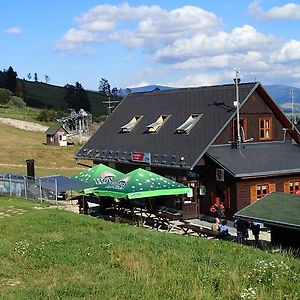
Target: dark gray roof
x: 255, y: 159
x: 166, y: 147
x: 276, y: 208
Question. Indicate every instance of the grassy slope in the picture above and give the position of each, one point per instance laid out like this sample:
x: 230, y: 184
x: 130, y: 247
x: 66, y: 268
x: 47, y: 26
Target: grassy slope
x: 54, y: 254
x: 53, y: 96
x: 26, y: 114
x: 17, y: 145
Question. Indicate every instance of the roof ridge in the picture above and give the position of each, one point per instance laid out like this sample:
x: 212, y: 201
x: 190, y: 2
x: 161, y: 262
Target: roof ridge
x: 196, y: 88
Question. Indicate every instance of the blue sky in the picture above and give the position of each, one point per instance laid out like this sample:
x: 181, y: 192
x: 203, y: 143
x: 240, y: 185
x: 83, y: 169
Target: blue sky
x: 136, y: 43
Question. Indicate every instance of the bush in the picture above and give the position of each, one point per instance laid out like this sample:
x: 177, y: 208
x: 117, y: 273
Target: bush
x: 100, y: 119
x: 5, y: 96
x: 16, y: 102
x: 48, y: 115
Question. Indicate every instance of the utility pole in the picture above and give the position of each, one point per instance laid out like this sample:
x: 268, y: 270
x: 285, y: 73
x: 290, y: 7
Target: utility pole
x: 110, y: 106
x: 292, y: 101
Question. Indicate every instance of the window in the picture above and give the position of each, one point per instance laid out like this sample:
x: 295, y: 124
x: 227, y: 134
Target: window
x: 260, y: 190
x: 193, y: 195
x: 129, y: 126
x: 265, y: 128
x: 292, y: 186
x: 189, y: 124
x: 153, y: 127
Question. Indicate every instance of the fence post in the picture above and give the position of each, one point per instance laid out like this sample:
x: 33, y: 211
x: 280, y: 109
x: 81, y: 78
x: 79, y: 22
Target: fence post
x: 10, y: 190
x: 25, y: 187
x: 55, y: 191
x: 41, y: 195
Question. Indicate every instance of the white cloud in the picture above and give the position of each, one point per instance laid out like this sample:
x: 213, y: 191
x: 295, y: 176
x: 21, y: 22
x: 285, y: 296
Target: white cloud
x: 288, y: 52
x: 74, y: 38
x: 141, y: 83
x: 148, y: 26
x: 250, y: 60
x: 287, y: 11
x: 241, y: 39
x: 79, y: 36
x: 14, y: 30
x: 189, y: 42
x: 201, y: 79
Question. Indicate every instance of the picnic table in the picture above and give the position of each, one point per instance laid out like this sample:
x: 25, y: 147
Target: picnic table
x: 167, y: 220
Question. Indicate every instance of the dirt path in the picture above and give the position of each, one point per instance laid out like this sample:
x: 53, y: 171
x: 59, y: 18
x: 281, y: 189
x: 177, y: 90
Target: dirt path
x: 29, y: 126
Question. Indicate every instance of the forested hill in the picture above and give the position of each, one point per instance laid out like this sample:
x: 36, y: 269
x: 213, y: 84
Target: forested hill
x: 42, y: 95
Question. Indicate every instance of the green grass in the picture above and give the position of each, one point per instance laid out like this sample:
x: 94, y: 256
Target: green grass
x: 16, y: 146
x: 26, y: 114
x: 54, y: 254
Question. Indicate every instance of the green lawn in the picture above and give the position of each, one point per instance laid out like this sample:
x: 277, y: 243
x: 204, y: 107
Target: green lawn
x: 16, y: 146
x: 49, y: 253
x: 26, y: 114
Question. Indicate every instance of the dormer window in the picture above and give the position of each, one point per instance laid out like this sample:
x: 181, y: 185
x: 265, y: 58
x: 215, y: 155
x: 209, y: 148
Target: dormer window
x: 154, y: 127
x: 186, y: 127
x: 129, y: 126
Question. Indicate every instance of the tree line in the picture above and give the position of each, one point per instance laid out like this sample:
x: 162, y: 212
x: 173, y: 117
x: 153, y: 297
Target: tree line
x: 75, y: 95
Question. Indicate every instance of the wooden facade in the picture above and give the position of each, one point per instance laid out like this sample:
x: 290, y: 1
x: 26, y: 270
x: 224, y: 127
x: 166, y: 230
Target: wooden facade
x: 254, y: 110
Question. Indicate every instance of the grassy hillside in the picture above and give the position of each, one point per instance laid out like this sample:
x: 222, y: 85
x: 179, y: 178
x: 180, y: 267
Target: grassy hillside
x: 55, y: 254
x: 17, y: 145
x: 44, y: 95
x: 26, y: 114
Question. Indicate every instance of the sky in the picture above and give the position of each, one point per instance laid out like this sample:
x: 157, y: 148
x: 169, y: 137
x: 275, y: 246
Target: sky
x: 137, y: 43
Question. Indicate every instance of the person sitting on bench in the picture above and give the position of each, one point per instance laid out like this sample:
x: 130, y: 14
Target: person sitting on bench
x: 224, y: 228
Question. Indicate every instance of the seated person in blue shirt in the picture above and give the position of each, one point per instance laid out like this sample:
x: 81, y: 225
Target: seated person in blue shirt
x: 224, y: 228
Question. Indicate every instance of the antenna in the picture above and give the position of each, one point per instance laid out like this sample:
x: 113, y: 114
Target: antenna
x: 292, y: 101
x: 237, y: 105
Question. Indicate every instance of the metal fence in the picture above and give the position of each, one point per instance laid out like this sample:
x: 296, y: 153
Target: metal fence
x: 30, y: 188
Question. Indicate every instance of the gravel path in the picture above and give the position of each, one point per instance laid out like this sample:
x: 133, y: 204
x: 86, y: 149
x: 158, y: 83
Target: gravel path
x: 29, y: 126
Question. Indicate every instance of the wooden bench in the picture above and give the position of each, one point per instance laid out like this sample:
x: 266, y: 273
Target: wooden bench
x: 200, y: 231
x: 203, y: 231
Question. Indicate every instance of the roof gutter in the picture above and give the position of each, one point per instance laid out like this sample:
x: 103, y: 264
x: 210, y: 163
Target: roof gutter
x: 264, y: 174
x: 269, y: 222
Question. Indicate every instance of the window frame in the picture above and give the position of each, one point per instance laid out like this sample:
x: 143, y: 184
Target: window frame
x: 261, y: 186
x: 264, y: 129
x: 155, y: 126
x: 128, y: 127
x: 184, y: 128
x: 292, y: 188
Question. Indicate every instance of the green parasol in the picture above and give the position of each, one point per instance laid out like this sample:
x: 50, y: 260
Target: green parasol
x: 141, y: 183
x: 98, y: 177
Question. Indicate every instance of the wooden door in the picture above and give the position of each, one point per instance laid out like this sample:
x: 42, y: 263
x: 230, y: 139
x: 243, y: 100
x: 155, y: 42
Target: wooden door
x: 190, y: 203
